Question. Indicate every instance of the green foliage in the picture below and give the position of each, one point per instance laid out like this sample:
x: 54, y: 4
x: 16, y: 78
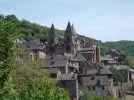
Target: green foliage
x: 30, y: 31
x: 85, y: 94
x: 33, y: 83
x: 30, y: 82
x: 129, y: 61
x: 110, y: 98
x: 89, y: 39
x: 117, y: 76
x: 126, y: 46
x: 103, y: 49
x: 6, y: 56
x: 46, y: 91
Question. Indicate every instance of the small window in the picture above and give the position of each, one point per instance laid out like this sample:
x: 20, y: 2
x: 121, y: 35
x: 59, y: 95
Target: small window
x: 103, y: 88
x: 52, y: 40
x: 109, y: 76
x: 98, y: 82
x: 93, y: 78
x: 93, y: 88
x: 67, y: 38
x: 64, y: 83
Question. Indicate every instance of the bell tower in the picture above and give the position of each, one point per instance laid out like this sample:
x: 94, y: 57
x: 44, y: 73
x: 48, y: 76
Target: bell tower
x: 70, y: 39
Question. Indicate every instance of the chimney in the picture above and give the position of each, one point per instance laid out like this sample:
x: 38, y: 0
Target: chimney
x: 98, y: 59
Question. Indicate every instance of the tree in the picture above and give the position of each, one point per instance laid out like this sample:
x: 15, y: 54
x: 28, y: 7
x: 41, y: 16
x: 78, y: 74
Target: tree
x: 85, y: 94
x: 33, y: 83
x: 117, y: 76
x: 6, y: 57
x: 129, y: 61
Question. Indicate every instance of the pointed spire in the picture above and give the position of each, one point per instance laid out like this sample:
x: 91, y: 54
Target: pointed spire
x: 52, y: 30
x: 68, y: 29
x: 74, y: 32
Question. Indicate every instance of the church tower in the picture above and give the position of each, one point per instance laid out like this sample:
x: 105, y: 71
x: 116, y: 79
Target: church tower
x: 70, y: 38
x: 52, y: 40
x: 52, y: 36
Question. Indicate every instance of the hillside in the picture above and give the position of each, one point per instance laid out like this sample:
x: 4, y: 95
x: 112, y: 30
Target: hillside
x: 126, y: 46
x: 33, y: 31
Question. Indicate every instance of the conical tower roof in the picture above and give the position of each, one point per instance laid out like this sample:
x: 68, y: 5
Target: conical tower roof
x: 69, y: 29
x: 52, y: 30
x: 74, y: 32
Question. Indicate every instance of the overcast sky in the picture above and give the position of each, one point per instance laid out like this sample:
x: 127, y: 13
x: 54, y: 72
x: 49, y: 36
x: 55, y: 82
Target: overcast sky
x: 105, y: 20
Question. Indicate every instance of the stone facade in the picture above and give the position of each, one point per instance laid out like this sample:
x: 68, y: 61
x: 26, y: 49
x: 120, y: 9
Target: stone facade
x: 69, y: 44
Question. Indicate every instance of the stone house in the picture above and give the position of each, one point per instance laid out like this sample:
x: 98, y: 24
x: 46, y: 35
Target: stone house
x: 70, y: 83
x: 32, y: 48
x: 64, y: 69
x: 91, y: 53
x: 108, y: 61
x: 97, y: 78
x: 116, y: 55
x: 127, y: 72
x: 35, y: 49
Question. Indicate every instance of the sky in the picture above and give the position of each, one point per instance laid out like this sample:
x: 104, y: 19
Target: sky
x: 105, y: 20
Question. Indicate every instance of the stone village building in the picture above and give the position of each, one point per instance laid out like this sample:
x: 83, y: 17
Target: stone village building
x: 73, y: 62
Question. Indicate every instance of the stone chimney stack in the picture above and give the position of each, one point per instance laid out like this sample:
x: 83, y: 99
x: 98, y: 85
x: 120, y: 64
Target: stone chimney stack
x: 98, y: 59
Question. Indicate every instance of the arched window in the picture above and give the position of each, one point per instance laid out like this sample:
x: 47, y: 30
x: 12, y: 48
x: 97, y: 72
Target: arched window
x: 52, y: 40
x: 67, y: 49
x: 67, y: 38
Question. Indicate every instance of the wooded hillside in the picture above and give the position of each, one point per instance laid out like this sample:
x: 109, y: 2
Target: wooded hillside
x: 33, y: 31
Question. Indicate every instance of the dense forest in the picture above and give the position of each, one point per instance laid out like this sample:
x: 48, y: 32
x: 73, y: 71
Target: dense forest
x: 33, y: 31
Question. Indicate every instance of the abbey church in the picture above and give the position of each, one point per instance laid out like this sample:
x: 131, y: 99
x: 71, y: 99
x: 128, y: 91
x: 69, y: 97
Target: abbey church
x: 70, y: 43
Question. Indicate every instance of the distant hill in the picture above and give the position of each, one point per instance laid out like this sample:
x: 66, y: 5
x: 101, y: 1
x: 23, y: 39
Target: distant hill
x: 33, y: 31
x: 126, y: 46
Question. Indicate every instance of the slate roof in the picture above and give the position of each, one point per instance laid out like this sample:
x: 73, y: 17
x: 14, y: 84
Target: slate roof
x: 93, y: 81
x: 91, y: 52
x: 115, y: 51
x: 74, y: 32
x: 64, y: 77
x: 108, y: 58
x: 55, y: 61
x: 76, y: 57
x: 22, y: 40
x: 92, y: 69
x: 103, y: 71
x: 33, y: 45
x: 87, y: 49
x: 79, y: 57
x: 131, y: 70
x: 122, y: 67
x: 104, y: 58
x: 53, y: 70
